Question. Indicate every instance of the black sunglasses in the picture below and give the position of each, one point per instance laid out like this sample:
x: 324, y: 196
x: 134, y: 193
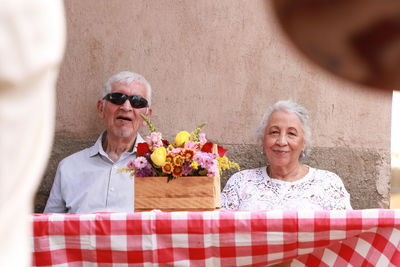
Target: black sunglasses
x: 120, y: 98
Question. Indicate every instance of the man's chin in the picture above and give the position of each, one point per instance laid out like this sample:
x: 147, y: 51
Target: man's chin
x: 124, y: 133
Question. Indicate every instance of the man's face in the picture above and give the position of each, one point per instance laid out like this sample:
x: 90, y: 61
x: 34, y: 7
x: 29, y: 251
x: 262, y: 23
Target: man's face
x: 123, y: 121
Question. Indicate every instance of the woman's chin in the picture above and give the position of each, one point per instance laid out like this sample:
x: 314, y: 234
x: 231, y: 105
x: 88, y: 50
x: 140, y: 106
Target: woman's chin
x: 279, y: 163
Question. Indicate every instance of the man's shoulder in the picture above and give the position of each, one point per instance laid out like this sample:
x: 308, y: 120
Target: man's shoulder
x: 77, y: 157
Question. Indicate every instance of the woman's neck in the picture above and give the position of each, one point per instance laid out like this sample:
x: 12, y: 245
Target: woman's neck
x: 287, y: 173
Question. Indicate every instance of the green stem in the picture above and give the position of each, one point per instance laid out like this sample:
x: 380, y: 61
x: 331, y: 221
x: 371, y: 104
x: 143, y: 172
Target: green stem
x: 149, y: 123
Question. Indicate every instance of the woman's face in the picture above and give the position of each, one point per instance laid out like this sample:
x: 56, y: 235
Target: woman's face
x: 283, y: 139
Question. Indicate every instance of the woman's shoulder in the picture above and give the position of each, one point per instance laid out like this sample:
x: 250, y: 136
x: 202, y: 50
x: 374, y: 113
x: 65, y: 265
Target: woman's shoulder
x: 255, y: 173
x: 321, y: 172
x: 325, y: 175
x: 332, y: 188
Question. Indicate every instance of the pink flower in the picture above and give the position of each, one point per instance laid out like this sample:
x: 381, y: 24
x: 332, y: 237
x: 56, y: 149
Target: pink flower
x: 155, y: 137
x: 131, y: 164
x: 140, y: 162
x: 154, y: 140
x: 213, y: 170
x: 176, y: 150
x: 202, y: 137
x: 192, y: 145
x: 206, y: 160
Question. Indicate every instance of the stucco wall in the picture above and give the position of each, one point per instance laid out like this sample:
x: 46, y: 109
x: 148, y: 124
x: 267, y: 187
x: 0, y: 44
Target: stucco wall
x: 223, y: 62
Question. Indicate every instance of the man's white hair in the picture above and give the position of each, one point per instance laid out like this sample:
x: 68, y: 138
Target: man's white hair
x: 127, y: 77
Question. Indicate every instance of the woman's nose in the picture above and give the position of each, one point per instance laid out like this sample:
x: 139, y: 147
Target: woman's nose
x: 282, y: 140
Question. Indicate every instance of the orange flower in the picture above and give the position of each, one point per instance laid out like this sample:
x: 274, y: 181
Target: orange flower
x: 169, y: 158
x: 167, y: 168
x: 179, y: 160
x: 188, y: 154
x: 177, y: 171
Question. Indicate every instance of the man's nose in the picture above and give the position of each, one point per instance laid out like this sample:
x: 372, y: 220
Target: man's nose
x: 126, y: 106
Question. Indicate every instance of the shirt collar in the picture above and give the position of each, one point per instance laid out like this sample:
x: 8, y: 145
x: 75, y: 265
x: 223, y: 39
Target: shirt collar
x: 97, y: 148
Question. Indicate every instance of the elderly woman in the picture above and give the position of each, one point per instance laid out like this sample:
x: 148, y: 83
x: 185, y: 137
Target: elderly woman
x: 285, y: 183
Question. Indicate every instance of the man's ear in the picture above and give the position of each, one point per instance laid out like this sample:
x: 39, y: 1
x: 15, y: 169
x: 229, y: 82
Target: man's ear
x: 100, y: 108
x: 148, y: 113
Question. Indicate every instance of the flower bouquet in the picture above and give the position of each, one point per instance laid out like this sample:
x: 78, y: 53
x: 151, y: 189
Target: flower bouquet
x: 190, y: 166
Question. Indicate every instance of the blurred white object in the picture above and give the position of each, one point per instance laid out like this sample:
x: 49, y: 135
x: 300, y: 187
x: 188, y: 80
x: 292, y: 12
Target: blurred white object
x: 32, y: 40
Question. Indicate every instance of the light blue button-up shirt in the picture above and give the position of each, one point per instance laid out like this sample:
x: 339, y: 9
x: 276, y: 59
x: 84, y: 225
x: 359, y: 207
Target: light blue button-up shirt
x: 89, y: 181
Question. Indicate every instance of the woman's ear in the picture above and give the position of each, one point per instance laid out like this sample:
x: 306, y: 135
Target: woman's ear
x: 100, y: 108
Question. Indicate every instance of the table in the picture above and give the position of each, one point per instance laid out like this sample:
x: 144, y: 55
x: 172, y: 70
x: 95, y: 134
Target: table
x: 218, y: 238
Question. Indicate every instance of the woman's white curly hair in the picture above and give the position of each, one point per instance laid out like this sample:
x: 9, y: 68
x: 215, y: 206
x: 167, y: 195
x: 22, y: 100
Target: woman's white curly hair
x: 292, y: 107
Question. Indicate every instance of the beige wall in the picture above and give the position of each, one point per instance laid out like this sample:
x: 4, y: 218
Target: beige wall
x: 223, y: 62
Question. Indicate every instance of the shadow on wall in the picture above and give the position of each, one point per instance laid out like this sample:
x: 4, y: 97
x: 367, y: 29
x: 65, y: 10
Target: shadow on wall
x: 357, y: 168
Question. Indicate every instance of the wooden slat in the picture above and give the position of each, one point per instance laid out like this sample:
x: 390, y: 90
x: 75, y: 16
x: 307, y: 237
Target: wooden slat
x: 183, y: 193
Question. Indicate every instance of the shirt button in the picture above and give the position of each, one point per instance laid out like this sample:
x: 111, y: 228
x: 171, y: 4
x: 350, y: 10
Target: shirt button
x: 112, y: 189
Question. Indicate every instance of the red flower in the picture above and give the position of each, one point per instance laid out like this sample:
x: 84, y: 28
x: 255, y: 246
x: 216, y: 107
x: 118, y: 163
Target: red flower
x: 165, y: 142
x: 142, y: 148
x: 178, y: 170
x: 188, y: 154
x: 169, y: 158
x: 207, y: 147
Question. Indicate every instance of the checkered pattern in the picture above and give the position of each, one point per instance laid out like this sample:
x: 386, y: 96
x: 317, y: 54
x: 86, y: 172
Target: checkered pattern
x: 218, y: 238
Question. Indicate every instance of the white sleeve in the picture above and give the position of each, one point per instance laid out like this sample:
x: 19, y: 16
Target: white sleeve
x: 230, y: 194
x: 341, y: 198
x: 55, y: 202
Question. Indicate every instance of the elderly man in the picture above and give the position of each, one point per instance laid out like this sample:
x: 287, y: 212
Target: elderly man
x: 90, y: 180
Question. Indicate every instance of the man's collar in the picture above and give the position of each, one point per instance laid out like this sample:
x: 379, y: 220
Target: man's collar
x: 97, y: 148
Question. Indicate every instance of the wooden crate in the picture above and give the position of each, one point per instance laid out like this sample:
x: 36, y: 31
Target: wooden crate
x: 186, y: 193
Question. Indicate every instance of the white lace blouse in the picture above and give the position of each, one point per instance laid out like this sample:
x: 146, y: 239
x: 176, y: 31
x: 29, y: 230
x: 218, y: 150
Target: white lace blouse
x: 254, y: 190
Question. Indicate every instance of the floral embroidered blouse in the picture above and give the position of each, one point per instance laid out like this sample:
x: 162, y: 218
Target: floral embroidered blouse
x: 254, y: 190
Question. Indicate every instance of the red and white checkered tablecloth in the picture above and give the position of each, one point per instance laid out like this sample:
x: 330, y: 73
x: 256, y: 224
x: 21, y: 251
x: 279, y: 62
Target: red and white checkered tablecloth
x: 218, y: 238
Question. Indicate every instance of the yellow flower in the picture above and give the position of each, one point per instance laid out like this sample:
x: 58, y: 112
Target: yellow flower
x: 158, y: 156
x: 224, y: 163
x: 181, y: 138
x: 194, y: 165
